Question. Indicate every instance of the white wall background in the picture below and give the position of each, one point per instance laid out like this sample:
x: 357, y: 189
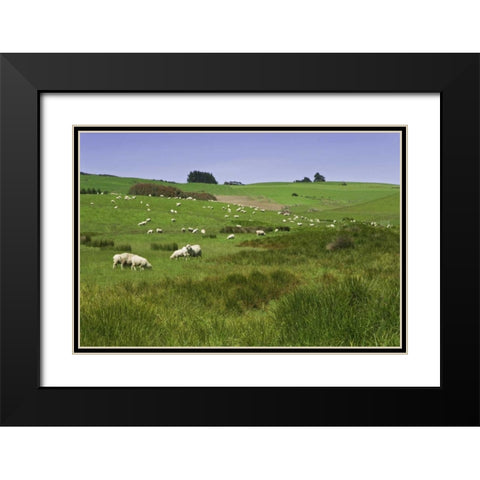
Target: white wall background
x: 248, y: 26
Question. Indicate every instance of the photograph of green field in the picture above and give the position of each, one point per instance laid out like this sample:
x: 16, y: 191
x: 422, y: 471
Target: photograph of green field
x: 226, y: 261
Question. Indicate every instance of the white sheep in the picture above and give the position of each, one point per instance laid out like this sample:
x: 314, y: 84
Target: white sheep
x: 141, y: 262
x: 178, y: 204
x: 184, y: 229
x: 231, y: 237
x: 142, y: 223
x: 194, y: 250
x: 173, y: 220
x: 150, y: 231
x: 148, y: 220
x: 195, y: 230
x: 260, y: 232
x: 159, y: 230
x: 202, y: 231
x: 182, y: 252
x: 190, y: 229
x: 122, y: 258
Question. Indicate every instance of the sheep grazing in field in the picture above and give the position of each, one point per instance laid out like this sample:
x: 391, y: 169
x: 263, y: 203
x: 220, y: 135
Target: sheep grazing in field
x: 148, y: 209
x: 299, y: 224
x: 91, y: 203
x: 150, y: 231
x: 116, y: 206
x: 173, y: 220
x: 276, y: 230
x: 231, y: 237
x: 194, y: 250
x: 122, y: 259
x: 148, y: 220
x: 184, y: 229
x: 260, y: 232
x: 178, y: 204
x: 159, y: 230
x: 141, y: 262
x: 202, y: 231
x: 195, y: 230
x: 182, y: 252
x: 112, y: 200
x: 190, y: 229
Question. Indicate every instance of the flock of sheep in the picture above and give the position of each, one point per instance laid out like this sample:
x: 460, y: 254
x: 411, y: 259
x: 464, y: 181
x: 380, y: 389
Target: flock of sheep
x: 137, y: 261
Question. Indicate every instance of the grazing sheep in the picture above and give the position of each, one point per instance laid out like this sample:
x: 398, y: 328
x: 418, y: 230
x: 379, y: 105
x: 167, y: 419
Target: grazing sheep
x: 142, y: 223
x: 178, y: 204
x: 116, y: 206
x: 182, y: 252
x: 195, y: 230
x: 148, y: 220
x: 173, y: 220
x: 231, y: 237
x: 202, y: 231
x: 159, y: 230
x: 194, y: 250
x: 190, y: 229
x: 150, y: 231
x: 260, y: 232
x: 276, y: 230
x: 141, y: 262
x: 184, y: 229
x: 122, y: 258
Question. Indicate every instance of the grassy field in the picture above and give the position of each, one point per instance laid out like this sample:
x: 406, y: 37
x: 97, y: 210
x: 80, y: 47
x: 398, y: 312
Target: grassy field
x: 334, y: 280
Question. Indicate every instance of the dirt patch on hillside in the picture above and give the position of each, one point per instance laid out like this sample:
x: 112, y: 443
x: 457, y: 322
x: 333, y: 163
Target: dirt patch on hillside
x: 260, y: 202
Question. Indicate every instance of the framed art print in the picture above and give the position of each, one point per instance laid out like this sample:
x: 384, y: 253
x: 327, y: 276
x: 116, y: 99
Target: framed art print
x: 271, y: 238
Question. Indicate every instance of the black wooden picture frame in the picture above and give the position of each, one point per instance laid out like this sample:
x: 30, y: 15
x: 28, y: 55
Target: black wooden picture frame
x: 24, y: 77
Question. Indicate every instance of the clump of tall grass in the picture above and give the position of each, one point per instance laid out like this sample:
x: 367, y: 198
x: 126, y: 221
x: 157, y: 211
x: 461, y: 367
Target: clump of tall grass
x: 339, y: 243
x: 348, y: 312
x: 164, y: 246
x: 216, y: 310
x: 124, y: 247
x: 86, y: 239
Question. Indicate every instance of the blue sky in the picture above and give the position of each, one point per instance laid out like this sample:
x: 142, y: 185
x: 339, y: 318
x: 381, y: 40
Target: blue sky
x: 244, y: 156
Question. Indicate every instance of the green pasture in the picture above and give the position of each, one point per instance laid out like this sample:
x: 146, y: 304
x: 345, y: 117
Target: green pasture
x: 314, y: 285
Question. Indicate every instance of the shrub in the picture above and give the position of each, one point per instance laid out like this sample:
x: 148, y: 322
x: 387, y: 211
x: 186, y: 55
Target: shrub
x: 294, y: 194
x: 234, y: 229
x: 167, y: 191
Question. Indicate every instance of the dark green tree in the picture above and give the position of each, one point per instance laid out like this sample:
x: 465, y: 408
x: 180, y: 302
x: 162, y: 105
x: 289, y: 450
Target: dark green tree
x: 318, y: 178
x: 200, y: 177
